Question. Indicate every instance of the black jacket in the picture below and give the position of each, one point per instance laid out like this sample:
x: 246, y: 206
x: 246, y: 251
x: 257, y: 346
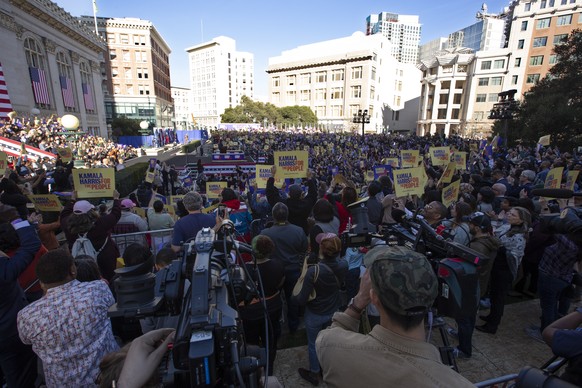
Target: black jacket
x: 299, y: 209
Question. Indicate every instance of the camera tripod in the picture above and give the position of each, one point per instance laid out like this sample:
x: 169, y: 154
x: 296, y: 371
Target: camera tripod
x: 434, y: 321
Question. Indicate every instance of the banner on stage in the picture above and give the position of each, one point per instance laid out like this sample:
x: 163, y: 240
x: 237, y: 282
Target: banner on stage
x: 94, y: 182
x: 291, y: 164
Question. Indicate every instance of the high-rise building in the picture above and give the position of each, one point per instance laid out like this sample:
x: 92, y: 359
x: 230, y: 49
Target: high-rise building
x: 219, y: 77
x: 137, y: 83
x: 402, y: 30
x: 51, y: 63
x: 182, y: 111
x: 337, y: 78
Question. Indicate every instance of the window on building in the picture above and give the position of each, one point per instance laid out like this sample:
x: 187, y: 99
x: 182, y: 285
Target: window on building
x: 483, y: 81
x: 441, y: 114
x: 532, y: 78
x: 276, y: 82
x: 291, y: 95
x: 356, y: 91
x: 540, y: 41
x: 478, y: 115
x: 357, y: 72
x: 126, y: 56
x: 536, y: 60
x: 481, y: 97
x: 543, y: 23
x: 564, y: 2
x: 543, y: 4
x: 320, y: 94
x: 127, y: 73
x: 553, y: 59
x: 306, y: 95
x: 552, y: 3
x: 276, y: 97
x: 499, y: 64
x: 443, y: 99
x: 520, y: 43
x: 373, y: 74
x: 462, y: 68
x: 321, y: 76
x: 564, y: 20
x: 457, y: 98
x: 485, y: 65
x: 291, y: 80
x: 305, y: 78
x: 337, y: 75
x: 559, y: 39
x: 124, y: 39
x: 63, y: 64
x: 527, y: 7
x: 517, y: 62
x: 459, y: 84
x: 372, y: 93
x: 110, y: 38
x: 496, y: 81
x: 524, y: 25
x: 320, y: 111
x: 337, y: 93
x: 492, y: 97
x: 514, y: 79
x: 354, y: 110
x: 337, y: 110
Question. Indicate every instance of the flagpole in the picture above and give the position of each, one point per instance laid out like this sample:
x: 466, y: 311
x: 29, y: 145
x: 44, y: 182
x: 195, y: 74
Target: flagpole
x: 95, y: 16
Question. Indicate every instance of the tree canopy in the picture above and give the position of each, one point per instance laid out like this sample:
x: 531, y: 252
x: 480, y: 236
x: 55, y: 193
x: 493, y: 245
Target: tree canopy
x: 554, y: 105
x: 123, y: 126
x: 250, y: 111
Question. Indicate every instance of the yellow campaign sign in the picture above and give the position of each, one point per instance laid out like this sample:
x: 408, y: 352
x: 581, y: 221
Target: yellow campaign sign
x: 554, y: 178
x: 451, y: 193
x: 170, y: 209
x: 440, y: 156
x: 571, y: 180
x: 174, y: 199
x: 291, y: 164
x: 460, y: 159
x: 214, y: 189
x: 409, y: 158
x: 140, y: 212
x: 94, y: 182
x: 46, y: 203
x: 545, y: 140
x: 393, y: 162
x: 209, y: 209
x: 369, y: 176
x: 409, y: 181
x: 149, y: 177
x: 447, y: 176
x: 66, y: 154
x: 474, y: 147
x: 3, y: 164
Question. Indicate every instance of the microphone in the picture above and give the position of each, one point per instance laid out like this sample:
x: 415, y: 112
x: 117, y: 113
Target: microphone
x: 555, y: 193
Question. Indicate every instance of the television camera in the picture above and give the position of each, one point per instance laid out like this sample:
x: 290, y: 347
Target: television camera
x: 209, y: 348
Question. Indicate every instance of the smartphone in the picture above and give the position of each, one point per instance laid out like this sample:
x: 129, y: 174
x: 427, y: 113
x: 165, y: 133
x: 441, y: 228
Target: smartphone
x: 222, y: 211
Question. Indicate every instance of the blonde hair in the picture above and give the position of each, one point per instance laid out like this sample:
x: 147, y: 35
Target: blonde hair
x: 330, y: 247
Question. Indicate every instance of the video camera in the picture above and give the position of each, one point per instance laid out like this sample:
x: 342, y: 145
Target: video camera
x: 209, y: 348
x: 569, y: 221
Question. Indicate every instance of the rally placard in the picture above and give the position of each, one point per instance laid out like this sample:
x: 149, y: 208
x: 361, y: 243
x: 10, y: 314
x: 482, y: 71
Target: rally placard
x: 447, y: 176
x: 174, y: 199
x: 409, y: 158
x: 460, y: 159
x: 3, y: 163
x: 409, y: 181
x: 554, y: 178
x: 440, y: 156
x: 381, y: 170
x: 262, y: 175
x: 451, y: 193
x: 571, y: 179
x: 149, y: 176
x: 369, y: 176
x: 291, y: 164
x: 66, y: 154
x: 214, y: 189
x: 94, y: 182
x: 46, y: 203
x: 392, y: 162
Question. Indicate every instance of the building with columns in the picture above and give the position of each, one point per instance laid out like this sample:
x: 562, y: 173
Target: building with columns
x: 137, y: 70
x: 51, y: 63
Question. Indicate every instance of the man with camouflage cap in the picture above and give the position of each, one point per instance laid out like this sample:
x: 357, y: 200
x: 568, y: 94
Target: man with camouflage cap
x: 401, y: 284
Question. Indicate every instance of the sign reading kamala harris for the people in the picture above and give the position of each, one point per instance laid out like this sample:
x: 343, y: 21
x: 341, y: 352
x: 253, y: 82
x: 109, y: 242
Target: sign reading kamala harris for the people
x: 447, y: 176
x: 571, y: 179
x: 409, y: 181
x: 460, y: 159
x: 46, y: 203
x: 409, y: 158
x: 291, y: 164
x: 451, y: 193
x: 94, y: 182
x: 440, y: 156
x: 554, y: 178
x: 66, y: 154
x: 214, y: 189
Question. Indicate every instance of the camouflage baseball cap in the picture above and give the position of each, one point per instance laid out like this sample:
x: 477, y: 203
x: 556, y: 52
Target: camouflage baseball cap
x: 403, y: 279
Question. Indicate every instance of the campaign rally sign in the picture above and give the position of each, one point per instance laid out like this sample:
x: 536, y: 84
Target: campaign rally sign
x: 174, y: 199
x: 554, y: 178
x: 369, y: 176
x: 66, y: 154
x: 440, y: 156
x: 381, y: 170
x: 262, y: 175
x: 447, y: 176
x: 451, y: 193
x: 150, y: 175
x: 409, y: 158
x: 460, y: 159
x: 291, y: 164
x: 94, y: 182
x: 3, y: 163
x: 409, y: 181
x: 571, y: 179
x: 393, y: 162
x: 46, y: 203
x: 214, y: 189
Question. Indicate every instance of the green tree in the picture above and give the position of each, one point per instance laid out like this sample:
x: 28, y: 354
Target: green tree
x: 122, y: 126
x: 250, y: 111
x: 554, y: 105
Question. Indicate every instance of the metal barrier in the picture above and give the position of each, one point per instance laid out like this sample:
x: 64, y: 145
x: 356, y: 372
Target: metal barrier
x: 506, y: 381
x: 156, y: 239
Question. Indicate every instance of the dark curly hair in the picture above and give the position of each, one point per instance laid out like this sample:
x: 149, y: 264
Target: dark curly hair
x: 82, y: 223
x: 323, y: 211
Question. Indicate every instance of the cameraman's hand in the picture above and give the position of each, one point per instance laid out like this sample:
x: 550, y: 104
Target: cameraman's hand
x: 362, y: 299
x: 143, y: 358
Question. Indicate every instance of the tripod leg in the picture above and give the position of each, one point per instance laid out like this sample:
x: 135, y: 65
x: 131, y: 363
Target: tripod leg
x: 446, y: 351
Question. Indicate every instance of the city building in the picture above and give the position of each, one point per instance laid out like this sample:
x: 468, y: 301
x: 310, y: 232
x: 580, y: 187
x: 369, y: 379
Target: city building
x: 402, y: 30
x: 137, y: 70
x: 337, y: 78
x: 182, y: 112
x: 51, y: 63
x: 536, y: 27
x: 219, y: 77
x: 429, y: 49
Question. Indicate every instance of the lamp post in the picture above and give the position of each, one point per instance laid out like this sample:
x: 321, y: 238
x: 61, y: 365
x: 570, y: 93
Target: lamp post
x: 361, y: 117
x: 504, y: 110
x: 144, y: 125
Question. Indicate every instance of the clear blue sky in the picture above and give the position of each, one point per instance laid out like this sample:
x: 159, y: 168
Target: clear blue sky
x: 266, y: 28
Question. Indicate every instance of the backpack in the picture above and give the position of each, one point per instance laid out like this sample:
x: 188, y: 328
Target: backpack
x: 84, y: 246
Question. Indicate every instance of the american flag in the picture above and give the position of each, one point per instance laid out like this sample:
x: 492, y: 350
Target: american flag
x: 67, y: 90
x: 88, y: 97
x: 39, y: 88
x: 5, y: 105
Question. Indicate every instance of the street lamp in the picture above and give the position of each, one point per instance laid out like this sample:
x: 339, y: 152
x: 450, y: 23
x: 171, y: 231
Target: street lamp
x: 504, y: 110
x: 363, y: 118
x: 144, y: 125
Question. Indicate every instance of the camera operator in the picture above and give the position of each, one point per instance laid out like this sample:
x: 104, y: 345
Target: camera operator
x: 402, y: 285
x: 434, y: 213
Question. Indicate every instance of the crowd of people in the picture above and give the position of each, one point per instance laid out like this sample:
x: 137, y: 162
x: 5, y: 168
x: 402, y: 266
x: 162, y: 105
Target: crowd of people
x: 305, y: 268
